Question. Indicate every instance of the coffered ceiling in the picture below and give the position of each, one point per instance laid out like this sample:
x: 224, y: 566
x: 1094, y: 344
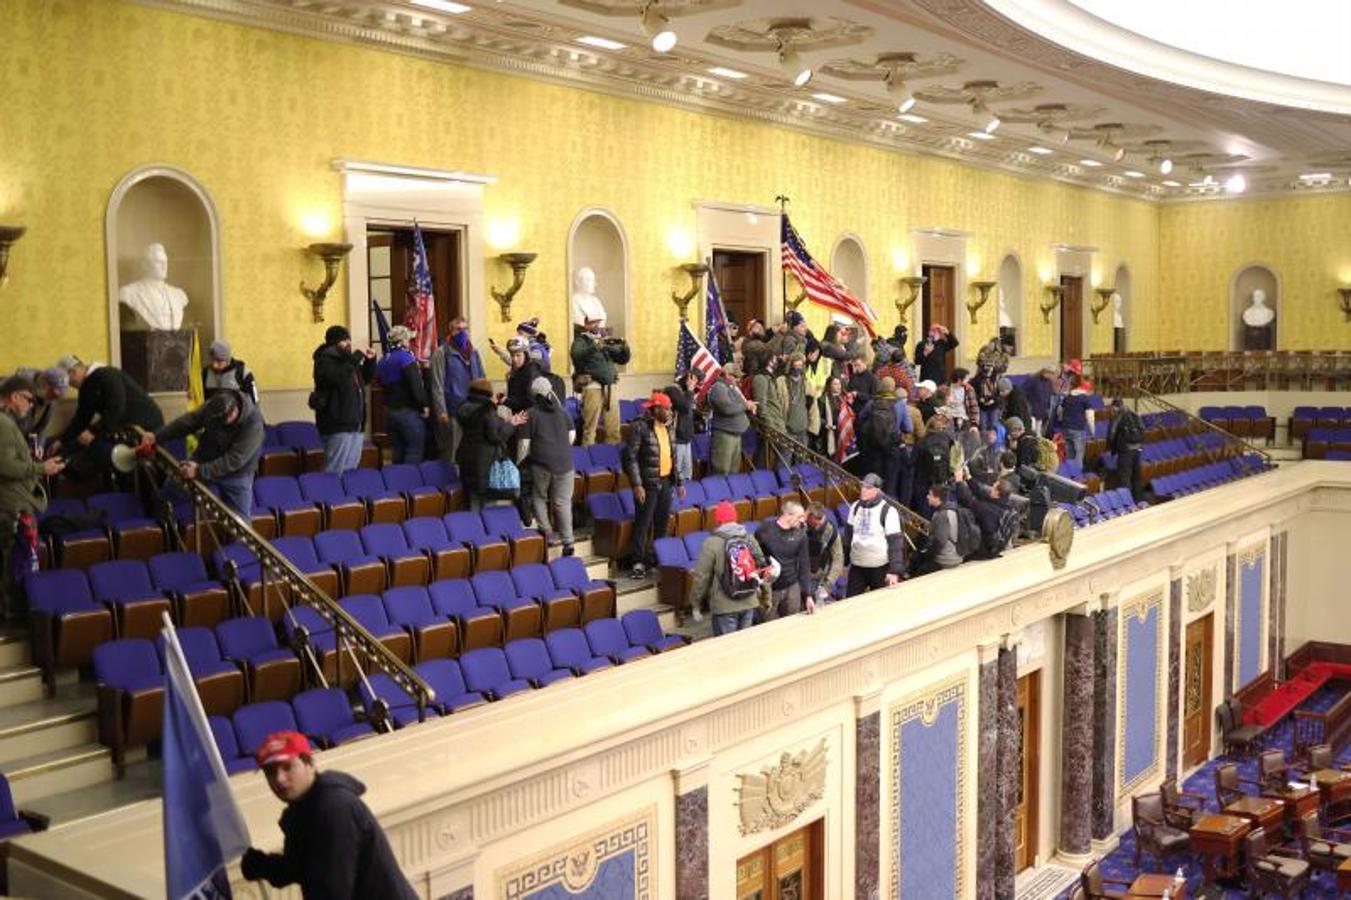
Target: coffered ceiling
x: 1061, y: 114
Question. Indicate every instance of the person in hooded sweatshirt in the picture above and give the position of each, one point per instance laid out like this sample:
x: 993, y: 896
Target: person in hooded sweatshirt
x: 339, y: 398
x: 230, y: 432
x: 546, y: 445
x: 406, y: 403
x: 334, y: 847
x: 454, y: 364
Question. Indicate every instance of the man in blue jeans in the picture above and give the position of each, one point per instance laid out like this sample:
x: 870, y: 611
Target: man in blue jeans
x: 729, y: 613
x: 339, y: 398
x: 229, y: 429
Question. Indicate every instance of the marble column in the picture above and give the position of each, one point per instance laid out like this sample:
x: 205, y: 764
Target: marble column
x: 987, y: 777
x: 867, y: 805
x: 1104, y: 723
x: 464, y: 893
x: 1076, y: 739
x: 1010, y: 772
x: 691, y: 833
x: 1174, y: 674
x: 1275, y: 619
x: 1226, y: 690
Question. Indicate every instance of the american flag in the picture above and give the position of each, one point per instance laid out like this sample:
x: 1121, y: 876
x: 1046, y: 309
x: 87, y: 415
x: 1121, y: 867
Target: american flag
x: 421, y: 315
x: 692, y: 355
x: 822, y: 288
x: 715, y: 319
x: 844, y: 432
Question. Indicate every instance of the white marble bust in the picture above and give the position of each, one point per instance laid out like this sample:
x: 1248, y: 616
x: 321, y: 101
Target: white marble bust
x: 1005, y: 320
x: 1258, y: 314
x: 1118, y: 320
x: 585, y: 304
x: 155, y: 303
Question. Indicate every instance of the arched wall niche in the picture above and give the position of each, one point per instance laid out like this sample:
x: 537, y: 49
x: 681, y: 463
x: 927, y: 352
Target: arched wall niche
x: 167, y: 206
x: 597, y: 241
x: 1011, y: 295
x: 1249, y: 278
x: 1121, y: 322
x: 849, y: 263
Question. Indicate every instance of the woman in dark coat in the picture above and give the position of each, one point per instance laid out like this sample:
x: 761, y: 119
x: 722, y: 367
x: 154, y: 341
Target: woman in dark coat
x: 486, y: 435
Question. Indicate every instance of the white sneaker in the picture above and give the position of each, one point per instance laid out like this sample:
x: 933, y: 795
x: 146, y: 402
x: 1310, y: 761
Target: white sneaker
x: 697, y: 616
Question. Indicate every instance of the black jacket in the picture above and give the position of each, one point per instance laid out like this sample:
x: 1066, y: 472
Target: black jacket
x: 1028, y: 448
x: 222, y: 450
x: 1015, y: 404
x: 642, y: 455
x: 933, y: 359
x: 518, y: 385
x: 485, y: 436
x: 547, y: 430
x: 339, y: 399
x: 682, y: 405
x: 117, y: 400
x: 334, y: 848
x: 789, y: 547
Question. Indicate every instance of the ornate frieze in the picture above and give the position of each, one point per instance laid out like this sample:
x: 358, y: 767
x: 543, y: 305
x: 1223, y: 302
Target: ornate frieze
x: 779, y: 793
x: 1201, y: 586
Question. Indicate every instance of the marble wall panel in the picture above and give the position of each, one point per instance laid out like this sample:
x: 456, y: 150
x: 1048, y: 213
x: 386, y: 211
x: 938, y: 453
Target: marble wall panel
x: 1076, y: 741
x: 691, y: 824
x: 987, y: 779
x: 1174, y: 674
x: 1104, y: 723
x: 1009, y: 772
x: 1230, y: 616
x: 464, y: 893
x: 867, y: 806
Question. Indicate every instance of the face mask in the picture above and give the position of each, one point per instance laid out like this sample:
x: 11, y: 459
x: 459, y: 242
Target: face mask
x: 797, y: 371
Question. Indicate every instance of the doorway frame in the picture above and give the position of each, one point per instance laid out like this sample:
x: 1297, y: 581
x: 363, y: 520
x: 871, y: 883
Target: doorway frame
x: 1207, y: 702
x: 1215, y: 561
x: 944, y: 247
x: 1076, y: 262
x: 396, y: 196
x: 743, y: 228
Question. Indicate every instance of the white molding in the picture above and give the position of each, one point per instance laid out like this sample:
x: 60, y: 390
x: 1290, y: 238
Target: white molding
x: 402, y: 171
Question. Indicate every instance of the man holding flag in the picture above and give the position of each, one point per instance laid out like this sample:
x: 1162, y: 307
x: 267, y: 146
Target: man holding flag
x: 421, y: 315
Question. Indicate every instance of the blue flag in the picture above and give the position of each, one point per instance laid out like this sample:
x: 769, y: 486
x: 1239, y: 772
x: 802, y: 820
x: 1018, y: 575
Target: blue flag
x: 715, y: 321
x: 203, y: 828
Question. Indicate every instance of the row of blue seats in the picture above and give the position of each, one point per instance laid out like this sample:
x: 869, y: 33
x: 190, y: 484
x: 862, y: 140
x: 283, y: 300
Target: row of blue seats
x: 1207, y: 476
x: 1103, y: 506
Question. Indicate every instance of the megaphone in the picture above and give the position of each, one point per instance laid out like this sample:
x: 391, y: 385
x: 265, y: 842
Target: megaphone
x: 124, y: 458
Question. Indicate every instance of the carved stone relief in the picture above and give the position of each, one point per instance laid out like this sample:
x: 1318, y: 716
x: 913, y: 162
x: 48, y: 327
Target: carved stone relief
x: 779, y: 793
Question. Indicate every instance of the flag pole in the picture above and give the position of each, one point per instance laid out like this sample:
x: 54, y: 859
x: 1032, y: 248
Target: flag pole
x: 782, y: 200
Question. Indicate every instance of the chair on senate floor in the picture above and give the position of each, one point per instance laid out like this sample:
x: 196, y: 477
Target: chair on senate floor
x: 1181, y: 809
x: 1273, y: 870
x: 1229, y: 787
x: 1153, y: 834
x: 1095, y: 883
x: 1273, y: 771
x: 1326, y: 849
x: 1238, y: 738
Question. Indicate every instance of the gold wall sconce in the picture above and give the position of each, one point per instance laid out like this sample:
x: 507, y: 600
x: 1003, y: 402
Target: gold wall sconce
x: 984, y: 288
x: 913, y: 283
x: 332, y: 254
x: 1056, y: 292
x: 8, y: 235
x: 696, y: 271
x: 518, y: 262
x: 797, y: 299
x: 1344, y: 290
x: 1104, y: 301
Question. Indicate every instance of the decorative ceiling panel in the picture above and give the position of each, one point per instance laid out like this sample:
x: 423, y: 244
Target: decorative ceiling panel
x: 804, y: 34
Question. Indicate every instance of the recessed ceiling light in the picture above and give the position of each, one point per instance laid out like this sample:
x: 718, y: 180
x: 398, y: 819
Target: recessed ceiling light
x: 445, y: 6
x: 1131, y: 173
x: 1171, y: 183
x: 828, y: 98
x: 912, y: 118
x: 1316, y: 176
x: 725, y: 72
x: 658, y: 29
x: 1166, y: 166
x: 592, y: 40
x: 1091, y: 163
x: 1040, y: 151
x: 981, y: 135
x: 1236, y: 183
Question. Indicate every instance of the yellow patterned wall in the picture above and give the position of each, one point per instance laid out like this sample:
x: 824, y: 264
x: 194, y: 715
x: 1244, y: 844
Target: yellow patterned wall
x: 96, y: 88
x: 1305, y: 241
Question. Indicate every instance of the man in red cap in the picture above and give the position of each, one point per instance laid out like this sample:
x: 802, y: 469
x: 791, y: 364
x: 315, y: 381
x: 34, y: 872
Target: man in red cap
x: 334, y: 848
x: 729, y: 573
x: 649, y: 461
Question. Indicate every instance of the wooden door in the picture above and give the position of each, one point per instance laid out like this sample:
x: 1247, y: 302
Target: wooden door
x: 1029, y: 765
x: 1072, y: 318
x: 741, y: 279
x: 940, y: 303
x: 1196, y: 688
x: 789, y: 869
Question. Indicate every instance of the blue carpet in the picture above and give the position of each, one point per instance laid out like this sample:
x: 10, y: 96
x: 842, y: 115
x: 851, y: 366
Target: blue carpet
x: 1120, y: 863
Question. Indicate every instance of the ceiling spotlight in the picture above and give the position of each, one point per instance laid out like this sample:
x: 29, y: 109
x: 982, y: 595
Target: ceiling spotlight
x: 1236, y: 183
x: 658, y: 28
x: 793, y: 67
x: 988, y: 120
x: 1166, y: 166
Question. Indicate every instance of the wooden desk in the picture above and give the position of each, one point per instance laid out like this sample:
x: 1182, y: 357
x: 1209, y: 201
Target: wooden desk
x: 1216, y: 839
x: 1146, y: 887
x: 1298, y: 801
x: 1327, y: 779
x: 1262, y: 812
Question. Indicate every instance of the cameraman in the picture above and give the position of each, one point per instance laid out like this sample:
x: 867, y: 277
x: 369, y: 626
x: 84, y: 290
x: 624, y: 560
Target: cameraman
x: 595, y: 363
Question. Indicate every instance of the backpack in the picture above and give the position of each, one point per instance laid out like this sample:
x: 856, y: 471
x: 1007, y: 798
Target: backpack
x: 847, y: 529
x: 968, y: 533
x: 1129, y: 430
x: 1048, y: 455
x: 740, y: 572
x: 997, y: 542
x: 939, y: 460
x: 882, y: 426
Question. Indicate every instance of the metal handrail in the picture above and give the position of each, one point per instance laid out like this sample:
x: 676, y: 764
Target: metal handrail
x: 347, y: 630
x: 1140, y: 391
x: 912, y: 521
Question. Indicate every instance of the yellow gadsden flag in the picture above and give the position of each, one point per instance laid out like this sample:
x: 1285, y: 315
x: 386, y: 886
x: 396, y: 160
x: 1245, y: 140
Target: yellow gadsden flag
x: 196, y: 393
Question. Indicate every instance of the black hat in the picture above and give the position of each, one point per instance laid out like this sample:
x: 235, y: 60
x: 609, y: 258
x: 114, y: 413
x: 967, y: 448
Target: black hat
x: 336, y: 334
